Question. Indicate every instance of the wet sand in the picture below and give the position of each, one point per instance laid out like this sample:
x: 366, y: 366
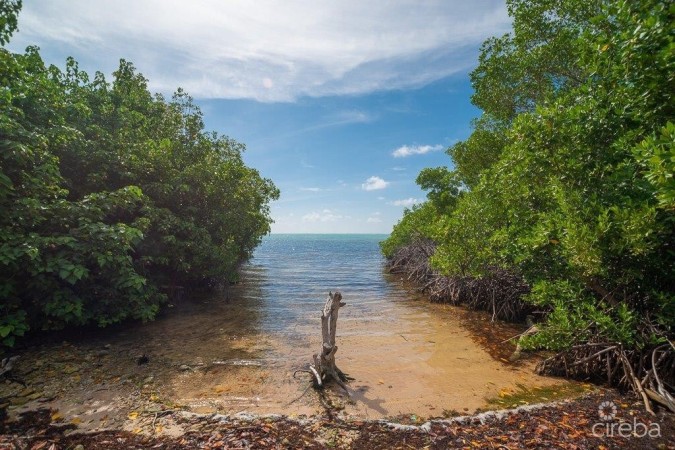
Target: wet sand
x: 410, y: 358
x: 237, y: 352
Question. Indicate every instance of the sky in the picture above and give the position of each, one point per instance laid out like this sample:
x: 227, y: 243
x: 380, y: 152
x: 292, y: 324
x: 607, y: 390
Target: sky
x: 339, y: 103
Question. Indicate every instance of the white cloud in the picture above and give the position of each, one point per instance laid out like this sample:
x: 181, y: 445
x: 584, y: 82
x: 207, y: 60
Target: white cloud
x: 311, y: 189
x: 398, y: 169
x: 374, y: 220
x: 324, y: 216
x: 374, y: 183
x: 406, y: 150
x: 407, y: 202
x: 268, y: 50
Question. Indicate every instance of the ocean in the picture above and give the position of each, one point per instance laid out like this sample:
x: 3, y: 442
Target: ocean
x: 290, y: 275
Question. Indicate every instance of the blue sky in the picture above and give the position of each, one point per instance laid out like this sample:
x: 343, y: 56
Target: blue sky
x: 341, y: 104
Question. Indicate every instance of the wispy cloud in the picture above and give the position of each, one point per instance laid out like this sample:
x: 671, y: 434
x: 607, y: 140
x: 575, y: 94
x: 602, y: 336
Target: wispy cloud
x: 407, y: 202
x: 374, y: 183
x: 268, y: 50
x: 408, y: 150
x: 337, y: 119
x: 373, y: 220
x: 310, y: 189
x: 324, y: 216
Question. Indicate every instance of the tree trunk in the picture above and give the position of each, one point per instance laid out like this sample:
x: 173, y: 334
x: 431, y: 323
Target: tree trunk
x: 324, y: 367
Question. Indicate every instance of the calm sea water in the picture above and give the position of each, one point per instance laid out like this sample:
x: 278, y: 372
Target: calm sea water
x: 289, y: 277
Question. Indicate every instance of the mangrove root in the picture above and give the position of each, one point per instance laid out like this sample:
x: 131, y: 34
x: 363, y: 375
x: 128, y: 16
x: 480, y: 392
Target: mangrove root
x: 649, y: 373
x: 498, y: 291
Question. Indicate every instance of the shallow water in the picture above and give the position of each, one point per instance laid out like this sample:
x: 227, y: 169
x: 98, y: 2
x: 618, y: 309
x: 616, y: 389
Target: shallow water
x: 243, y: 347
x: 238, y: 350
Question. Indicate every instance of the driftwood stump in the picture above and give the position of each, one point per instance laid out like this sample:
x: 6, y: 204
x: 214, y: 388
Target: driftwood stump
x: 324, y: 367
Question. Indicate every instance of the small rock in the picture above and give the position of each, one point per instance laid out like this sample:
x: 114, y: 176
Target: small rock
x: 148, y: 380
x: 107, y: 346
x: 78, y: 447
x: 184, y: 367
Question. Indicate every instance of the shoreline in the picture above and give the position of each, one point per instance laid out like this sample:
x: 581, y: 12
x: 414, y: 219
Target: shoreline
x: 569, y: 424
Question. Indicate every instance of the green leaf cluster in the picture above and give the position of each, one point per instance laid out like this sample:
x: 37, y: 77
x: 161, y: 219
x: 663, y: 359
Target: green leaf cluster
x: 567, y: 177
x: 110, y: 195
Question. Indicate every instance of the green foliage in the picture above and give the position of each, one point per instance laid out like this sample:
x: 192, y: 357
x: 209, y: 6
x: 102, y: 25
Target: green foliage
x: 443, y: 186
x: 416, y: 223
x: 656, y: 156
x: 109, y: 195
x: 479, y: 151
x: 463, y: 237
x: 570, y: 169
x: 9, y: 10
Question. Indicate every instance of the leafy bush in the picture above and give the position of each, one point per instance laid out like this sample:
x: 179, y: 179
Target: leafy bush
x: 109, y: 195
x: 568, y: 174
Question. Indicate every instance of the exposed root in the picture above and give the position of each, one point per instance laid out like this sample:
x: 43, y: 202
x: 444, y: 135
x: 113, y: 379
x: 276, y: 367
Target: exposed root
x: 499, y: 291
x: 651, y: 374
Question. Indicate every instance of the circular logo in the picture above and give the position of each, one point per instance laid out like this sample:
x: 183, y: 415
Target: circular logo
x: 607, y: 411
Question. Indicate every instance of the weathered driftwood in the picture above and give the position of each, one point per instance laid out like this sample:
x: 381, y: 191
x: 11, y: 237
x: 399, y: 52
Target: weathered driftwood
x: 324, y: 368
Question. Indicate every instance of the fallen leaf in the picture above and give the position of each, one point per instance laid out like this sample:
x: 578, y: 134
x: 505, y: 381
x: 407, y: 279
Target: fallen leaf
x: 133, y: 415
